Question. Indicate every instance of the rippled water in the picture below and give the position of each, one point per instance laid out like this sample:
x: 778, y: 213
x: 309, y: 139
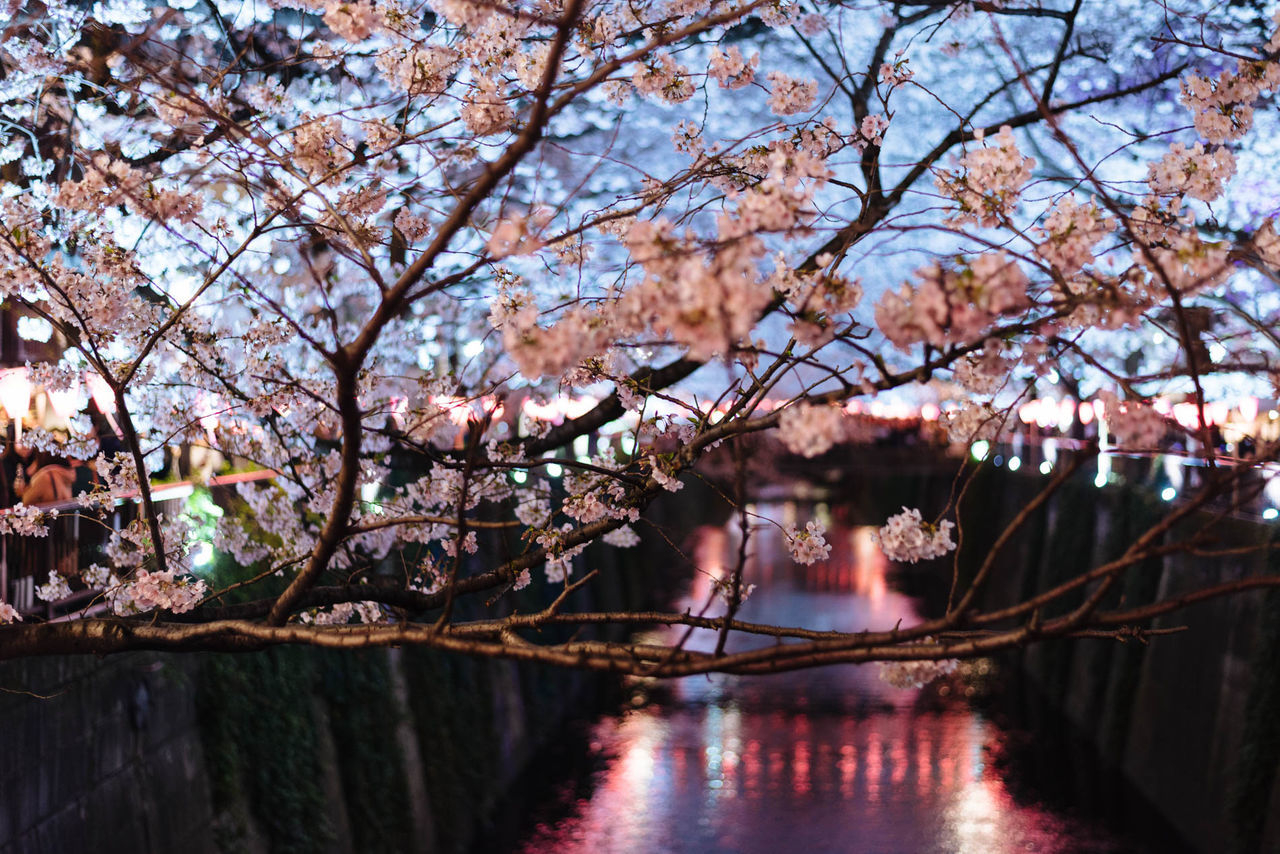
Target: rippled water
x: 828, y: 760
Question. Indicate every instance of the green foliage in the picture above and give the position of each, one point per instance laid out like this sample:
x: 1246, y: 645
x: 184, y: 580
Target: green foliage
x: 259, y: 732
x: 363, y: 718
x: 261, y: 728
x: 452, y: 707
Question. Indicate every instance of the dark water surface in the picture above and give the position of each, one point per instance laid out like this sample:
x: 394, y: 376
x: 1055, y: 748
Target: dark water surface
x: 826, y: 760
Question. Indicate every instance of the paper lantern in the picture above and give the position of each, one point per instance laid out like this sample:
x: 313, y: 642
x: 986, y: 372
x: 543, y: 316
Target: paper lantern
x: 15, y: 396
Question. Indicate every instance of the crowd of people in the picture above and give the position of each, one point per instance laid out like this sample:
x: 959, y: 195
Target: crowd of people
x: 37, y: 468
x: 40, y: 477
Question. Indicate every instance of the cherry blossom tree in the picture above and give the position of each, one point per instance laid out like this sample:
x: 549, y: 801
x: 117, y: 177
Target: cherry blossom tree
x: 343, y: 241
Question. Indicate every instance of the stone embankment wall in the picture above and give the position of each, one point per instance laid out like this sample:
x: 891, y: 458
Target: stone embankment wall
x: 101, y: 756
x: 290, y: 750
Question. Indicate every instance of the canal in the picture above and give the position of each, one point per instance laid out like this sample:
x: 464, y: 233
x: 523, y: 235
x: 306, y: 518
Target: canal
x: 826, y: 760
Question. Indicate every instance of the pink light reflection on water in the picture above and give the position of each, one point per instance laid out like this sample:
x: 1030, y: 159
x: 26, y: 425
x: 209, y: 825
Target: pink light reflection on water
x: 643, y: 803
x: 818, y: 761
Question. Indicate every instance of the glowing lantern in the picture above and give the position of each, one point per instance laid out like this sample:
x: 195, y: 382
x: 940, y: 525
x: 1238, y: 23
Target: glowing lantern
x: 66, y: 402
x: 1187, y: 415
x: 1066, y: 413
x: 103, y: 397
x: 1046, y: 412
x: 15, y: 396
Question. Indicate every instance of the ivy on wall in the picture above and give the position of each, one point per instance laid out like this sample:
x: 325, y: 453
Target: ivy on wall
x: 259, y: 733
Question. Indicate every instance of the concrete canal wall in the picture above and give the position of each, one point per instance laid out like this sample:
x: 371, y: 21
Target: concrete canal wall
x: 291, y: 750
x: 101, y: 756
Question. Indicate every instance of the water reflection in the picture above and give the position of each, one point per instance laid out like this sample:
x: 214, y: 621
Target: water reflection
x: 829, y: 760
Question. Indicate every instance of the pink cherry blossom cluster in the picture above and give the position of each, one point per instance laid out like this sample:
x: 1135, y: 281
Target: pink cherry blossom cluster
x: 1222, y: 107
x: 915, y: 674
x: 109, y: 182
x: 559, y: 564
x: 413, y: 226
x: 515, y: 235
x: 907, y: 538
x: 106, y: 182
x: 1196, y: 171
x: 1174, y: 257
x: 558, y: 569
x: 708, y: 298
x: 665, y: 480
x: 26, y: 521
x: 988, y: 181
x: 593, y: 496
x: 807, y: 546
x: 1133, y: 424
x: 472, y: 14
x: 871, y: 130
x: 486, y: 112
x: 1266, y: 242
x: 70, y: 444
x: 353, y: 20
x: 985, y: 372
x: 470, y: 544
x: 662, y: 77
x: 367, y: 612
x: 157, y: 590
x: 724, y: 590
x: 810, y: 430
x: 419, y: 70
x: 974, y: 420
x: 897, y: 72
x: 320, y: 147
x: 790, y: 94
x: 817, y: 301
x: 803, y: 154
x: 622, y: 538
x: 131, y: 545
x: 98, y: 577
x: 730, y: 70
x: 54, y: 589
x: 539, y: 351
x: 952, y: 304
x: 1071, y: 231
x: 8, y: 613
